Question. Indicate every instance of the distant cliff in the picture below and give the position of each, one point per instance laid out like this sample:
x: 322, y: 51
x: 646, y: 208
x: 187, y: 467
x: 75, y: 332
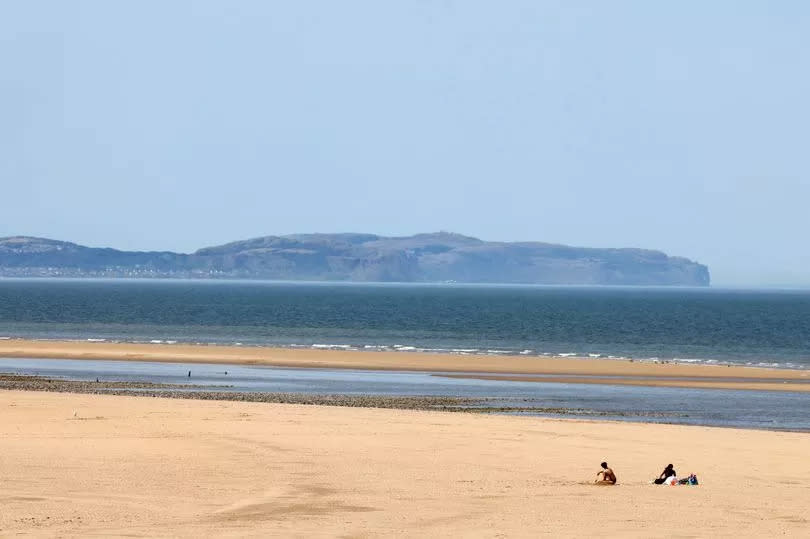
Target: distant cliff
x: 437, y: 257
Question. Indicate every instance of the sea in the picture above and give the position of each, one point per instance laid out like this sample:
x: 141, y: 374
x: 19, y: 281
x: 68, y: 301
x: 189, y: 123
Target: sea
x: 690, y: 325
x: 694, y: 325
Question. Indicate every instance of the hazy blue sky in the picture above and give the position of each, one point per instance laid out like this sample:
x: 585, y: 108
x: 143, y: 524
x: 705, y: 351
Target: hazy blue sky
x: 680, y: 126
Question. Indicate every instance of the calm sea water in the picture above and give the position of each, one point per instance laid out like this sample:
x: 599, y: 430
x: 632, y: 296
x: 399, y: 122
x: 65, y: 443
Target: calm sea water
x: 738, y: 326
x: 774, y: 410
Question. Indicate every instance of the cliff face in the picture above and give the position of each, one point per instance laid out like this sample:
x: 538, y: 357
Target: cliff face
x: 361, y: 257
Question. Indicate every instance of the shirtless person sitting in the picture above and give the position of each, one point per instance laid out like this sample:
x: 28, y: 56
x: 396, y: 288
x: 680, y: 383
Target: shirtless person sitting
x: 606, y: 474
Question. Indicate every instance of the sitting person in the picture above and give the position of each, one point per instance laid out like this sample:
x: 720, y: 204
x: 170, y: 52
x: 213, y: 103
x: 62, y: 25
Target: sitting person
x: 606, y: 474
x: 668, y: 472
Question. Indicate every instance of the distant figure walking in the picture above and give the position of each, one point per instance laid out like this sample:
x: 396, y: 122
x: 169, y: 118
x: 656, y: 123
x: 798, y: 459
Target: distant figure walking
x: 668, y: 472
x: 189, y: 374
x: 605, y: 476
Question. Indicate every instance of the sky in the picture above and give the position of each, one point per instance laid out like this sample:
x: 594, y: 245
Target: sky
x: 152, y: 125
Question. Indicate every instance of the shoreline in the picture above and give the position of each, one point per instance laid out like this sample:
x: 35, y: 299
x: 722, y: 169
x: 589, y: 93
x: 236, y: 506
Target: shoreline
x: 33, y: 383
x: 334, y: 357
x: 234, y: 346
x: 542, y: 369
x: 431, y: 403
x: 697, y: 383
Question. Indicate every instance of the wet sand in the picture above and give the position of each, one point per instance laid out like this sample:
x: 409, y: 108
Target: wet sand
x: 696, y: 382
x: 91, y: 465
x: 593, y: 370
x: 15, y: 382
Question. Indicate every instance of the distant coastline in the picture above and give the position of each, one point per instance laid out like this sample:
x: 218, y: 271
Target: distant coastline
x: 423, y: 258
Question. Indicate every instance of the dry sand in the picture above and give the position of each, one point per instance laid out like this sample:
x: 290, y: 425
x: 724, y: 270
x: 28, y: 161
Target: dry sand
x: 89, y: 465
x: 676, y: 375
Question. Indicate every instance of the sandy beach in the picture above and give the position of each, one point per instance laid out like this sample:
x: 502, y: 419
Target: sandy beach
x: 586, y: 370
x: 89, y: 465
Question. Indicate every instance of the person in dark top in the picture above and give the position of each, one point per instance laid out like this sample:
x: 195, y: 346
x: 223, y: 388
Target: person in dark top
x: 605, y: 476
x: 669, y: 471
